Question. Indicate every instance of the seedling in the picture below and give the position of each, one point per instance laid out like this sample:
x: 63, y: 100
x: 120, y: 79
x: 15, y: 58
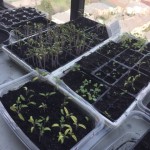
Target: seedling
x: 65, y: 132
x: 39, y: 124
x: 92, y: 93
x: 43, y: 106
x: 76, y: 67
x: 18, y: 106
x: 66, y: 113
x: 76, y: 123
x: 48, y: 94
x: 127, y: 42
x: 28, y: 91
x: 131, y: 80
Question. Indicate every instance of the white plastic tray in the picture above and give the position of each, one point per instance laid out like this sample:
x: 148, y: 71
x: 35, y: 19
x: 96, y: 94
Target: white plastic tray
x: 99, y: 122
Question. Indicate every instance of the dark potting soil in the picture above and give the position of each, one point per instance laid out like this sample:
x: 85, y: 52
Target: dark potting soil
x: 144, y: 65
x: 133, y: 82
x: 144, y: 143
x: 55, y: 102
x: 111, y: 49
x: 129, y: 58
x: 91, y: 62
x: 114, y: 103
x: 110, y: 72
x: 86, y: 86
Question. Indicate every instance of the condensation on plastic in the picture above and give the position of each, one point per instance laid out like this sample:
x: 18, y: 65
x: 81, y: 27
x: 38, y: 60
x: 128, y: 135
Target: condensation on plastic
x: 16, y: 84
x: 125, y: 136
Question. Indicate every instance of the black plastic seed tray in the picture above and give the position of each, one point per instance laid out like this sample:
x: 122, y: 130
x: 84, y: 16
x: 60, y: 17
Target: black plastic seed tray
x: 11, y: 17
x: 111, y: 72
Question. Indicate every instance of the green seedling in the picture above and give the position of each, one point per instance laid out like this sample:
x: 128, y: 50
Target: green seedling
x: 18, y: 107
x: 92, y: 93
x: 40, y: 124
x: 131, y: 80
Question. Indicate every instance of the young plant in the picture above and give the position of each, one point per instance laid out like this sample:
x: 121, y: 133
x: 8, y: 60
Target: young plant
x: 18, y: 107
x: 131, y: 80
x: 47, y: 94
x: 76, y: 123
x: 61, y: 125
x: 68, y: 133
x: 28, y: 91
x: 43, y: 106
x: 65, y: 132
x: 92, y: 93
x: 76, y: 67
x: 66, y: 113
x: 40, y: 124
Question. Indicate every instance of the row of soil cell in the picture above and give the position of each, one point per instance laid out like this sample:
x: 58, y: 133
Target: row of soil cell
x: 95, y: 60
x: 114, y: 103
x: 111, y: 49
x: 15, y: 16
x: 111, y: 72
x: 92, y: 62
x: 31, y: 27
x: 129, y: 58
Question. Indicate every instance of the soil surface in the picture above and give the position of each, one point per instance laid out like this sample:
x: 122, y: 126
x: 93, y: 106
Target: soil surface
x: 55, y: 110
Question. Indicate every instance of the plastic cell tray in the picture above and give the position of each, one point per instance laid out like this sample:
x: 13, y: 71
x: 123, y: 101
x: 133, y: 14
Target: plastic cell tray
x: 16, y: 84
